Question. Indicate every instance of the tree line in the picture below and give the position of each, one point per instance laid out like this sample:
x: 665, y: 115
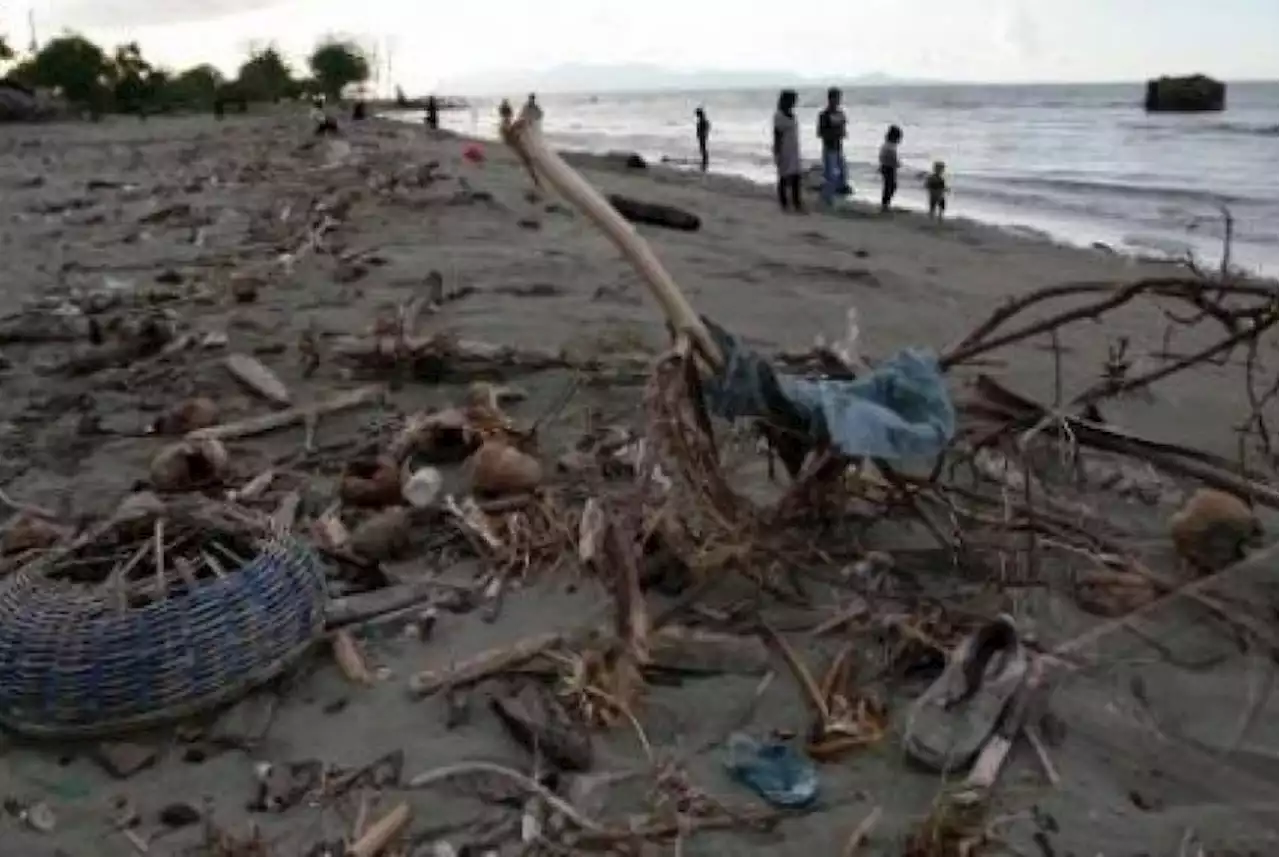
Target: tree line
x: 122, y: 80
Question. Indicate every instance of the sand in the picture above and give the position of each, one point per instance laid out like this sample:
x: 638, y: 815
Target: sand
x: 1154, y: 757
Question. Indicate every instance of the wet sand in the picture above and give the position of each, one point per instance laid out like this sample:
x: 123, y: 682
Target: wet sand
x: 1153, y: 756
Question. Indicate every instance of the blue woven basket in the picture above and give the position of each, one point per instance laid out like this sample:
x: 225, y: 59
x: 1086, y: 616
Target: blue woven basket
x: 76, y: 664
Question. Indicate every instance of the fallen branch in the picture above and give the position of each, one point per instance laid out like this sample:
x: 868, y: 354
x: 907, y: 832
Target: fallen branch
x: 265, y: 423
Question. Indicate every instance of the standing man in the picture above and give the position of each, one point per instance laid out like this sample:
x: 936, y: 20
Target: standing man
x: 703, y: 129
x: 832, y: 129
x: 432, y: 116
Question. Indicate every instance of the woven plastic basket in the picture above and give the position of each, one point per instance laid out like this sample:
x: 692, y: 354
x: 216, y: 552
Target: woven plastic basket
x: 76, y: 664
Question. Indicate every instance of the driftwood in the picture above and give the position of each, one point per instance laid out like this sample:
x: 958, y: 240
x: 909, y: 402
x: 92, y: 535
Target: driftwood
x: 250, y: 372
x: 655, y: 214
x: 368, y: 605
x: 382, y: 833
x: 283, y: 419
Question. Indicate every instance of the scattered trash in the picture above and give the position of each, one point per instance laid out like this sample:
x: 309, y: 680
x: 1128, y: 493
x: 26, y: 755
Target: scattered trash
x: 774, y: 770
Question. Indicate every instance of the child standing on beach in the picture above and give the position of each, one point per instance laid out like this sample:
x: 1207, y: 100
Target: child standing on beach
x: 936, y: 186
x: 889, y: 164
x: 786, y: 150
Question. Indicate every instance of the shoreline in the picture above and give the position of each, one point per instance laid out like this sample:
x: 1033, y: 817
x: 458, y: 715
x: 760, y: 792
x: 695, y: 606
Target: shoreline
x: 1060, y: 229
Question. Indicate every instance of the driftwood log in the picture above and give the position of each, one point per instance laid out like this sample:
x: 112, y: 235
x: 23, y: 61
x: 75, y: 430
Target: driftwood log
x: 655, y: 214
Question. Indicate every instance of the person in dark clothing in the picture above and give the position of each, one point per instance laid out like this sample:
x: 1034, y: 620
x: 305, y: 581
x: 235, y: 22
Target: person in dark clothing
x: 703, y: 131
x: 432, y: 117
x: 889, y: 164
x: 786, y: 150
x: 832, y: 130
x: 936, y: 186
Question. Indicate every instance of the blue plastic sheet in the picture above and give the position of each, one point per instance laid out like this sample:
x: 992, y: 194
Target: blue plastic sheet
x: 901, y: 410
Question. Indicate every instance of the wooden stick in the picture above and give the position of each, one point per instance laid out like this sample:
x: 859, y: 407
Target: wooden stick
x: 527, y: 140
x: 860, y: 833
x: 383, y: 831
x: 346, y: 651
x: 485, y: 664
x: 159, y: 544
x: 283, y: 419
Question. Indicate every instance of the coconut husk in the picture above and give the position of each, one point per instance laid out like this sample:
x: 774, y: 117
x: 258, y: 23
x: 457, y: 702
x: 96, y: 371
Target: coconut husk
x: 498, y: 468
x: 188, y: 415
x: 383, y: 535
x: 189, y: 465
x: 370, y: 482
x: 1212, y: 529
x: 30, y: 532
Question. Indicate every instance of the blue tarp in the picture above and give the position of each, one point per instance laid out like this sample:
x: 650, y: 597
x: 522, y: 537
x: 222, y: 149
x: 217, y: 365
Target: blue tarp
x: 901, y: 410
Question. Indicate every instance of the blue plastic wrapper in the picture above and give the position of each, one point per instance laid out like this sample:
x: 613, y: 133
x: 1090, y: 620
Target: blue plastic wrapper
x: 773, y: 770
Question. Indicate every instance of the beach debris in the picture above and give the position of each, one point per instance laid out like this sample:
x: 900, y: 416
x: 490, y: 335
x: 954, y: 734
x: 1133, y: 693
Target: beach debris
x: 382, y: 833
x: 841, y: 718
x: 537, y: 721
x: 438, y: 437
x: 485, y: 664
x: 190, y: 464
x: 123, y: 759
x: 655, y: 214
x: 384, y: 535
x: 1213, y: 529
x: 188, y: 415
x: 350, y: 660
x: 176, y: 815
x: 282, y: 786
x: 421, y: 489
x: 773, y: 769
x: 498, y: 469
x: 370, y: 482
x: 40, y: 817
x: 950, y: 723
x: 259, y: 380
x: 860, y: 833
x: 28, y: 531
x: 277, y: 420
x: 1113, y: 592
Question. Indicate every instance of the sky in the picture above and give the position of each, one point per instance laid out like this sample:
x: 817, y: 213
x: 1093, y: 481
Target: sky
x: 951, y: 40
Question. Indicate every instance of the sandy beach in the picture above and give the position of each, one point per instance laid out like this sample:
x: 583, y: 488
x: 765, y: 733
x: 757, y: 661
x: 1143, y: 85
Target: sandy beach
x: 177, y: 215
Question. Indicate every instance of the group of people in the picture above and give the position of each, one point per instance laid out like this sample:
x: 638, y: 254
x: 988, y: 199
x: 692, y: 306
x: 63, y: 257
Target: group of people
x: 832, y: 132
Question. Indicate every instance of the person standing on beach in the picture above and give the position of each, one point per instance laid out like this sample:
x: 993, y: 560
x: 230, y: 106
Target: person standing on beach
x: 531, y: 112
x: 936, y: 186
x: 889, y: 164
x: 832, y: 130
x: 704, y: 131
x: 786, y: 150
x: 433, y: 113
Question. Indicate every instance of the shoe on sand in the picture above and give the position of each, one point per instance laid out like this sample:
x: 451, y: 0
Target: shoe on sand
x: 950, y: 722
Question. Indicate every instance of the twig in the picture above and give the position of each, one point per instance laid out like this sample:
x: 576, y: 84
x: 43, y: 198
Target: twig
x: 161, y: 587
x: 530, y: 785
x: 860, y: 833
x: 382, y: 833
x: 283, y: 419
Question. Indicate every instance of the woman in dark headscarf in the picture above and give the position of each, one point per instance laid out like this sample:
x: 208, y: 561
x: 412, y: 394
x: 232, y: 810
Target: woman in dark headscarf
x: 786, y: 151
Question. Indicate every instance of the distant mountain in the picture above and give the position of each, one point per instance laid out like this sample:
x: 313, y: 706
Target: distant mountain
x: 636, y: 77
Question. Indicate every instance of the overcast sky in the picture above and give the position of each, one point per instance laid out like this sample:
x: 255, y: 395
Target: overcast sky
x: 977, y: 40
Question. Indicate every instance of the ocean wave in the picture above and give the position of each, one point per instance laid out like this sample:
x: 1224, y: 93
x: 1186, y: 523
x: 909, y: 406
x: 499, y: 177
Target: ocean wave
x: 1242, y: 129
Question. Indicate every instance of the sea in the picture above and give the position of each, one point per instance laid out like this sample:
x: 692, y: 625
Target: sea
x: 1084, y: 164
